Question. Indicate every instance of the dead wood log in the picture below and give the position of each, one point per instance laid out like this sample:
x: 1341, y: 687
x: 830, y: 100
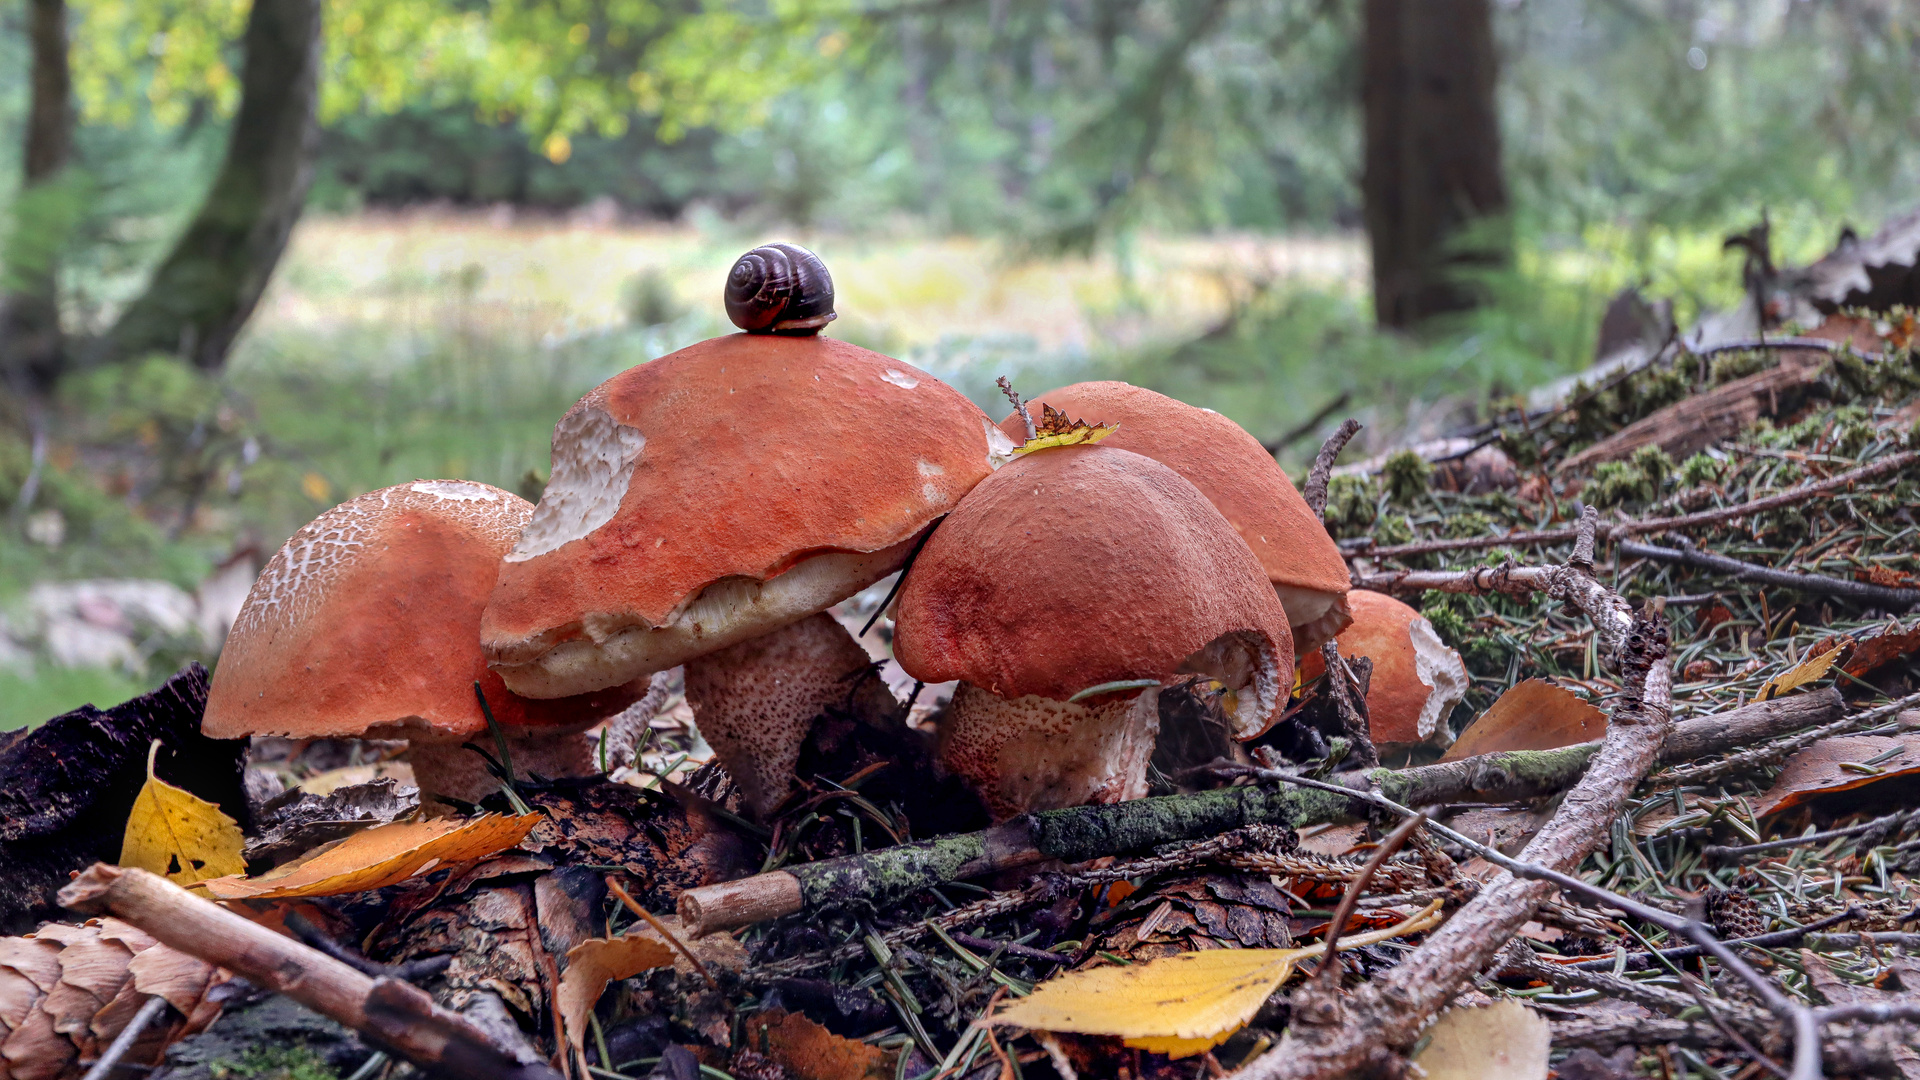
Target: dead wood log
x: 400, y: 1018
x: 1088, y: 832
x: 1695, y: 423
x: 67, y: 786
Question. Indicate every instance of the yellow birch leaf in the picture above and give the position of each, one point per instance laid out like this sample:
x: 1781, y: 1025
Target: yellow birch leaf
x: 178, y: 834
x: 381, y: 856
x: 1807, y: 672
x: 1054, y: 429
x: 1177, y: 1005
x: 1505, y: 1039
x: 594, y: 963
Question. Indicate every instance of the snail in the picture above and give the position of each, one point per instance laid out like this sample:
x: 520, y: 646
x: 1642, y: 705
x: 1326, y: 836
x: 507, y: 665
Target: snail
x: 780, y: 289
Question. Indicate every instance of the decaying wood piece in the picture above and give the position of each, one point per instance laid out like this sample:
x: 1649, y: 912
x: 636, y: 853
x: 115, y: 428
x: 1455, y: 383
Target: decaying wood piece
x: 68, y: 992
x: 400, y: 1018
x: 1089, y: 832
x: 67, y: 786
x: 1697, y: 422
x: 1333, y: 1034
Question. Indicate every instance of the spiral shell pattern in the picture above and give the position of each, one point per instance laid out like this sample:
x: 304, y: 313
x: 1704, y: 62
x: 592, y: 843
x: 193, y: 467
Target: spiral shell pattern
x: 780, y: 289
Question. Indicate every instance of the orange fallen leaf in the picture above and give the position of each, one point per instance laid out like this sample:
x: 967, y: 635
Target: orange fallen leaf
x: 1533, y: 715
x: 1870, y: 651
x: 381, y: 856
x: 1840, y: 764
x: 810, y: 1052
x: 594, y: 963
x: 1808, y: 671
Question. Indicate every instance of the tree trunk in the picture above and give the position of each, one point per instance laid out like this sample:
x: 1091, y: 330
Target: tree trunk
x: 203, y: 293
x: 1432, y: 155
x: 30, y: 312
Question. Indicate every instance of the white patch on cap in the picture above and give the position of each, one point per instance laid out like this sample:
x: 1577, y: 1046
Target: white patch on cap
x: 932, y: 493
x: 900, y: 379
x: 1440, y: 669
x: 456, y: 490
x: 928, y: 468
x: 593, y: 460
x: 999, y: 448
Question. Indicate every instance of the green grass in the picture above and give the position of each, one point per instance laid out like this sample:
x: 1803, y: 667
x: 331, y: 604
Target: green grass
x: 48, y: 691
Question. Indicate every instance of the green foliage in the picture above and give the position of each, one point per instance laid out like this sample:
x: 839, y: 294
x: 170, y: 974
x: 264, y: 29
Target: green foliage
x: 650, y: 300
x: 39, y: 694
x: 294, y: 1062
x: 1352, y: 506
x: 1639, y: 479
x: 1700, y: 470
x: 1407, y: 476
x: 1738, y: 364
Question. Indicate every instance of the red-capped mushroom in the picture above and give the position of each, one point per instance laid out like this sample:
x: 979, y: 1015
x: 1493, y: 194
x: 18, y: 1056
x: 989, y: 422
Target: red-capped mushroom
x: 366, y: 625
x: 1062, y: 593
x: 1239, y: 477
x: 1416, y: 681
x: 719, y: 494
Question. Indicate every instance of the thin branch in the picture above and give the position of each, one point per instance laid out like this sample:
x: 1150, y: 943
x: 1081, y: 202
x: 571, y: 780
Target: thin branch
x: 1861, y: 592
x: 1344, y: 911
x: 1308, y: 426
x: 1026, y: 418
x: 1315, y: 491
x: 129, y: 1035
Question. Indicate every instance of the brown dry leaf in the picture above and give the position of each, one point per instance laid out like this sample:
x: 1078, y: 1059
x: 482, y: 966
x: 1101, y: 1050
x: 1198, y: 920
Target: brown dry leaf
x: 381, y: 856
x: 594, y: 963
x: 1840, y: 764
x: 1333, y: 839
x: 1534, y: 715
x: 1054, y: 429
x: 1177, y: 1005
x: 1808, y: 671
x: 179, y: 835
x: 1505, y: 1040
x: 1890, y: 644
x: 810, y: 1052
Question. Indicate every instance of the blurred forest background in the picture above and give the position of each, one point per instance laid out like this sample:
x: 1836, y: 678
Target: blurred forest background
x: 263, y: 255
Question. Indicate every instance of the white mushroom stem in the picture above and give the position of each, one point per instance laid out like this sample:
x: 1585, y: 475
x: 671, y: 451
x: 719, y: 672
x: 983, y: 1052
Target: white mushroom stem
x: 1034, y: 753
x: 449, y: 769
x: 755, y: 702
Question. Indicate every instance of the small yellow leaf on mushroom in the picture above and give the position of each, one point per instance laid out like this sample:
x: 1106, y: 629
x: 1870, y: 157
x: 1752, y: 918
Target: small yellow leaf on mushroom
x: 1054, y: 429
x: 1178, y: 1005
x: 178, y: 834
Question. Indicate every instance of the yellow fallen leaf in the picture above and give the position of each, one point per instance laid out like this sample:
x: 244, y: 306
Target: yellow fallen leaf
x: 178, y: 834
x: 381, y: 856
x: 1808, y: 671
x: 1177, y: 1005
x: 594, y: 963
x: 316, y: 487
x: 1505, y: 1039
x: 1054, y: 429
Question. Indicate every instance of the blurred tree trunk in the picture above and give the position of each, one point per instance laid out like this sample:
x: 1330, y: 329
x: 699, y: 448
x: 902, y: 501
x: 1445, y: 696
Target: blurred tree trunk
x: 203, y: 293
x: 30, y: 348
x: 1434, y: 191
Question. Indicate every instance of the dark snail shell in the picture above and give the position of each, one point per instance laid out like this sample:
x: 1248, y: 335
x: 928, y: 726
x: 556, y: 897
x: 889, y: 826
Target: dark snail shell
x: 780, y: 289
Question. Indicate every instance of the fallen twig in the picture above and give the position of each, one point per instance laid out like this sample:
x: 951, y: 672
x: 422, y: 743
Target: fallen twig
x: 399, y: 1018
x: 1306, y: 427
x: 123, y: 1042
x: 1315, y: 490
x: 1819, y: 584
x: 1776, y: 752
x: 1090, y: 832
x: 1643, y: 961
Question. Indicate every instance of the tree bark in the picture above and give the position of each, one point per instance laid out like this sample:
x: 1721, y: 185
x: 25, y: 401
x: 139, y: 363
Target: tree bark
x: 203, y: 293
x: 1432, y: 155
x: 30, y: 345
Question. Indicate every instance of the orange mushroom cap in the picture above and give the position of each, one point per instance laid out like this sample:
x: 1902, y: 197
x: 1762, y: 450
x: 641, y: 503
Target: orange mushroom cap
x: 1084, y: 565
x: 1238, y: 476
x: 366, y: 623
x: 721, y: 492
x: 1416, y: 680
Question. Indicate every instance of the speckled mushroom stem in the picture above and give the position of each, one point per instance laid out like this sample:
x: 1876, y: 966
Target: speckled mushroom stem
x: 755, y: 702
x: 449, y: 770
x: 1034, y: 753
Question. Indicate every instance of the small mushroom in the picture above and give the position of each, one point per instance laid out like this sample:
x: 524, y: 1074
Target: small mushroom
x: 1063, y: 593
x: 719, y: 494
x: 1416, y: 680
x: 1240, y: 478
x: 366, y: 625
